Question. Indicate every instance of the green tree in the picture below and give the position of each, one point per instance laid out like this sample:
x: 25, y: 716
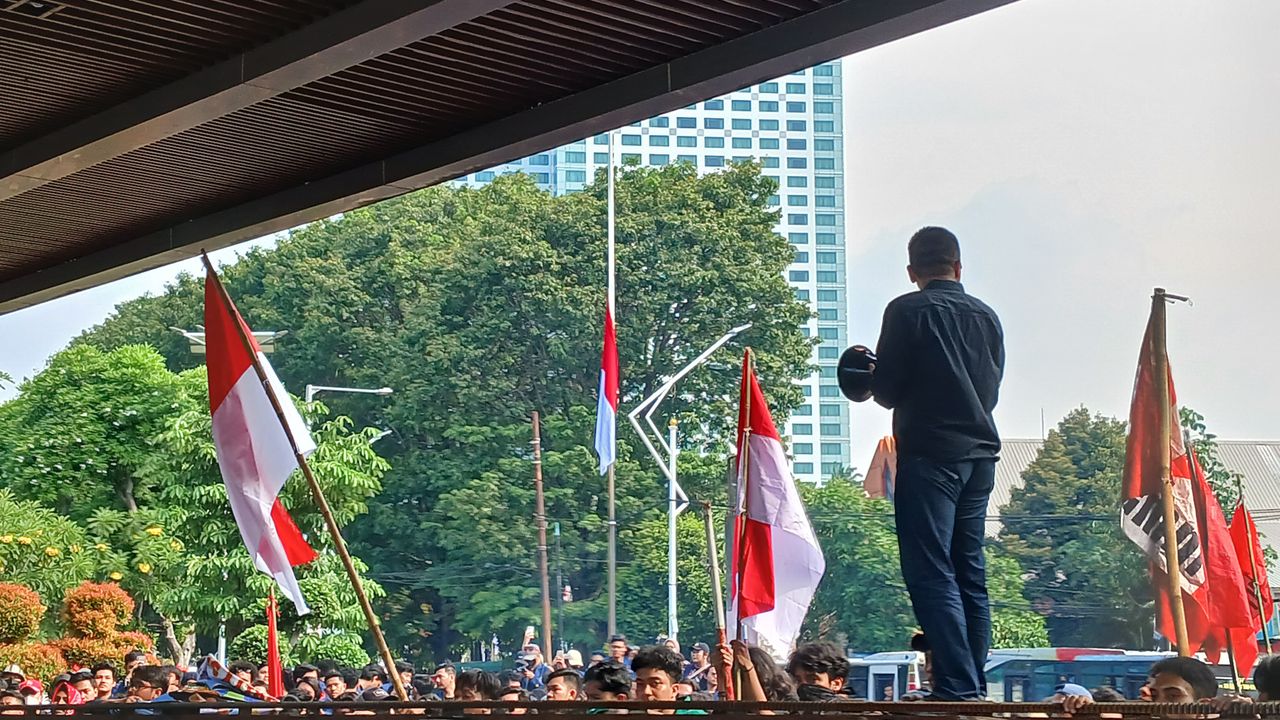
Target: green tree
x: 123, y: 446
x: 1062, y: 528
x: 479, y: 306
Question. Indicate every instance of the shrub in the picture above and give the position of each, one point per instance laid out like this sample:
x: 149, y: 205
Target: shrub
x: 96, y: 610
x: 20, y: 612
x: 251, y: 645
x: 86, y: 652
x: 36, y: 659
x: 344, y: 648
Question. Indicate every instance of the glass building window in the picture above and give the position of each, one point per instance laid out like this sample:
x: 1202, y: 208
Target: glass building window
x: 828, y: 314
x: 802, y: 295
x: 797, y: 143
x: 485, y: 176
x: 798, y: 219
x: 601, y: 158
x: 830, y: 468
x: 740, y: 123
x: 798, y: 276
x: 824, y: 144
x: 825, y: 219
x: 769, y: 162
x: 740, y: 105
x: 826, y: 352
x: 660, y: 122
x: 797, y: 181
x: 575, y: 175
x: 686, y: 141
x: 769, y: 87
x: 804, y: 468
x: 713, y: 142
x: 769, y: 143
x: 690, y: 159
x: 793, y: 106
x: 823, y: 89
x: 601, y: 140
x: 829, y: 333
x: 798, y: 200
x: 714, y: 160
x: 797, y: 125
x: 795, y: 88
x: 827, y: 371
x: 573, y: 156
x: 824, y: 126
x: 769, y: 125
x: 828, y: 296
x: 630, y: 140
x: 824, y: 181
x: 541, y: 178
x: 686, y: 122
x: 659, y: 159
x: 824, y: 163
x: 768, y: 106
x: 803, y: 410
x: 832, y: 448
x: 827, y: 276
x: 713, y: 123
x: 742, y: 143
x: 773, y: 201
x: 633, y: 158
x: 825, y: 201
x: 797, y: 163
x: 540, y: 160
x: 798, y: 238
x: 802, y: 448
x: 716, y: 104
x: 827, y: 258
x: 801, y: 257
x: 824, y: 71
x: 806, y: 391
x: 825, y: 238
x: 824, y: 107
x: 659, y: 140
x: 830, y: 429
x: 802, y: 429
x: 829, y: 391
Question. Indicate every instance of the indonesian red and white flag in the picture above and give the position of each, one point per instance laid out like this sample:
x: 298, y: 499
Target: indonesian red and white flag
x: 607, y: 403
x: 777, y: 563
x: 254, y: 452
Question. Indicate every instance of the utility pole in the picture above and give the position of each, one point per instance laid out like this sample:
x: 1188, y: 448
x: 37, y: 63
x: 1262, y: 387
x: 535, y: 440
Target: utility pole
x: 560, y: 590
x: 542, y: 538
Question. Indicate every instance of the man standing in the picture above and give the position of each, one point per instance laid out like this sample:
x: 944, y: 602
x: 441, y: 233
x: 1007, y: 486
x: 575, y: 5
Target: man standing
x: 938, y: 366
x: 535, y: 671
x: 695, y: 672
x: 618, y: 650
x: 445, y: 677
x: 564, y: 685
x: 104, y: 680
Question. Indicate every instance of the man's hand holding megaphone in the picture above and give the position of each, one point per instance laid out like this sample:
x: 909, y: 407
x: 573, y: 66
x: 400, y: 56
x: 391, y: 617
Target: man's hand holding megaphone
x: 854, y: 372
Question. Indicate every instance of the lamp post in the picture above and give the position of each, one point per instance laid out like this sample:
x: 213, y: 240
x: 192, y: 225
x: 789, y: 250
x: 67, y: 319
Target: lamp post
x: 313, y: 390
x: 677, y: 501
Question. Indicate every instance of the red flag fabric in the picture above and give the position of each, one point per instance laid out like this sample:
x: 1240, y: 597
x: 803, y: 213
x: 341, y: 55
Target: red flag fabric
x: 1142, y: 509
x: 882, y: 472
x: 777, y: 563
x: 1253, y: 568
x: 275, y: 669
x: 254, y: 452
x: 1227, y: 612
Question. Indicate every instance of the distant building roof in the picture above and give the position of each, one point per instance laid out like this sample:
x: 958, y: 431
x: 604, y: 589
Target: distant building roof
x: 1257, y: 461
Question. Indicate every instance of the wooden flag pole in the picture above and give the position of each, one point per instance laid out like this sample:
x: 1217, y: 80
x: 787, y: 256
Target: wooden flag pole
x: 744, y: 474
x: 713, y: 569
x: 338, y: 543
x: 542, y: 537
x: 1253, y: 567
x: 1159, y: 353
x: 1231, y: 659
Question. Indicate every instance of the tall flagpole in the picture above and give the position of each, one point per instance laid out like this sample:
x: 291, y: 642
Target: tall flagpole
x: 542, y: 536
x: 612, y: 563
x: 1253, y: 565
x: 744, y: 489
x: 1172, y: 557
x: 339, y: 544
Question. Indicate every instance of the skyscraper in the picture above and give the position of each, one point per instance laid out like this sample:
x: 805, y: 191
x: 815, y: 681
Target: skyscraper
x: 793, y: 126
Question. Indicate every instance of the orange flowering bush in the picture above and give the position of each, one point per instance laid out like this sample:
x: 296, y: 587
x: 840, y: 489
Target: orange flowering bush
x: 88, y: 651
x: 20, y: 612
x: 36, y: 659
x: 96, y: 610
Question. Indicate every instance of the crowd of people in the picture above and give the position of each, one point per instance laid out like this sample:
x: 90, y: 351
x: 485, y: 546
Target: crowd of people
x: 815, y: 672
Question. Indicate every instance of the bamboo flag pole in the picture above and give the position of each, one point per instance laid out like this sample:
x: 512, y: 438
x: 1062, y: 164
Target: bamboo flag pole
x: 744, y: 485
x: 542, y: 537
x: 1231, y: 660
x: 338, y: 543
x: 713, y: 568
x: 1253, y: 566
x: 1160, y: 356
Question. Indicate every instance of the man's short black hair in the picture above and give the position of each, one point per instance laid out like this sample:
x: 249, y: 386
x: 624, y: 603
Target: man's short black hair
x: 80, y: 676
x: 485, y: 685
x: 300, y: 671
x: 373, y: 671
x: 612, y: 677
x: 617, y: 638
x: 334, y: 674
x: 1266, y: 677
x: 571, y: 678
x: 104, y: 666
x: 404, y: 666
x: 661, y: 658
x: 819, y: 657
x: 447, y: 667
x: 933, y: 251
x: 133, y: 656
x: 1198, y: 675
x: 239, y: 666
x: 152, y: 675
x: 506, y: 677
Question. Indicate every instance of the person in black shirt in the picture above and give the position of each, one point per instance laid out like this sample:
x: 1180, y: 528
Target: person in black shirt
x: 938, y: 366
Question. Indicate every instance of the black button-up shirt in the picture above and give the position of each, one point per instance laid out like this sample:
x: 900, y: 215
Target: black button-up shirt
x: 939, y: 364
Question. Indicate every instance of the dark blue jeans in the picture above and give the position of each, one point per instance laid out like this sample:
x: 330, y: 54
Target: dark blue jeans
x: 941, y: 510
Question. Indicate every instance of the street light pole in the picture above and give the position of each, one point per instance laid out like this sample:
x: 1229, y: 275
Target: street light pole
x: 313, y: 390
x: 677, y: 501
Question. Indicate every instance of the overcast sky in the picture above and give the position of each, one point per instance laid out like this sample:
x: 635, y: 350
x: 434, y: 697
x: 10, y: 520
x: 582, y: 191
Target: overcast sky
x: 1084, y: 151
